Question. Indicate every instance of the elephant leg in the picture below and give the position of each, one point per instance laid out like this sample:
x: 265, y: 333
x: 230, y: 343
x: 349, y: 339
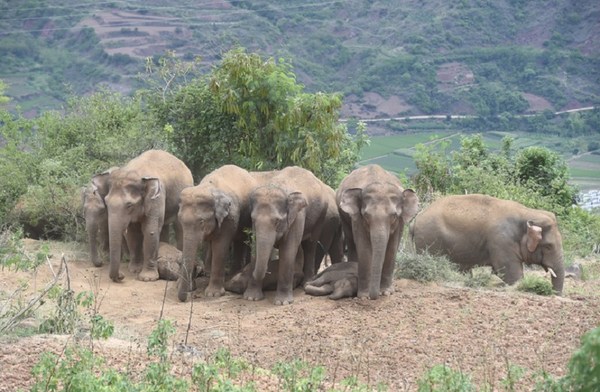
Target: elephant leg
x: 178, y: 234
x: 510, y: 272
x: 219, y: 252
x: 151, y: 232
x: 387, y: 272
x: 309, y: 248
x: 289, y: 254
x: 325, y: 289
x: 134, y: 241
x: 351, y: 244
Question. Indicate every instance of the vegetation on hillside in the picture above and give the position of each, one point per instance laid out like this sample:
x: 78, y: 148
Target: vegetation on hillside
x: 503, y: 49
x: 249, y: 112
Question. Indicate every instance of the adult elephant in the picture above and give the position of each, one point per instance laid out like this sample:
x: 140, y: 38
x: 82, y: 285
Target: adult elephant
x: 214, y: 214
x: 479, y: 230
x: 374, y: 207
x: 141, y: 198
x: 331, y: 239
x: 287, y: 213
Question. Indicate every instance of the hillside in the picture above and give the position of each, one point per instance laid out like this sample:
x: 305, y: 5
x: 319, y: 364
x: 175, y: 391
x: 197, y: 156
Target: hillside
x: 386, y: 58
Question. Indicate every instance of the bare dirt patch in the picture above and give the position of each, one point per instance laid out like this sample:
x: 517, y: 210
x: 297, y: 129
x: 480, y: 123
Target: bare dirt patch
x: 393, y: 340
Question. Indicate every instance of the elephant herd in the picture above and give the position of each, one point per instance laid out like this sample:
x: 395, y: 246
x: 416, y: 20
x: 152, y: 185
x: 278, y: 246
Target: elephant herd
x: 237, y: 220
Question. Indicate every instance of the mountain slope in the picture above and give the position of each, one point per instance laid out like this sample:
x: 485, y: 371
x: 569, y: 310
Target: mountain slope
x: 386, y: 57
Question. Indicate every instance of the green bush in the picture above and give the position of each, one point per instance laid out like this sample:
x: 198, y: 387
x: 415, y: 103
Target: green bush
x: 478, y: 277
x: 426, y: 268
x: 535, y: 284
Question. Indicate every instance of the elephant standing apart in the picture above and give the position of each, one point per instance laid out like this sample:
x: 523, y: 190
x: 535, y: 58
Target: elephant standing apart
x: 141, y: 198
x: 96, y: 219
x: 338, y: 281
x: 374, y: 208
x: 287, y: 213
x: 214, y: 214
x: 480, y: 230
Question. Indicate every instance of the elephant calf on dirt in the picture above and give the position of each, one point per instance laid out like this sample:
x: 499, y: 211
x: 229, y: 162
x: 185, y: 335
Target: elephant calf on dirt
x: 239, y: 282
x: 339, y: 280
x: 479, y: 230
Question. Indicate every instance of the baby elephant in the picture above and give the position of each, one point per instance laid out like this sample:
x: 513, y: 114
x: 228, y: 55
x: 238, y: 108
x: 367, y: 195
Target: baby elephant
x: 238, y: 283
x: 339, y: 280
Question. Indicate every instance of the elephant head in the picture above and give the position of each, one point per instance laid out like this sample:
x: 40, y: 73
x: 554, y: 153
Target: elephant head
x: 202, y: 212
x: 130, y: 198
x: 378, y: 212
x: 542, y: 245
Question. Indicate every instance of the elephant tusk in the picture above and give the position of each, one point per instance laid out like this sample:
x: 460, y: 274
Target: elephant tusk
x: 552, y: 272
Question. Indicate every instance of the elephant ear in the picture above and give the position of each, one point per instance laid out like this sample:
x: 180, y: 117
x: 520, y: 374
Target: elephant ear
x: 152, y: 187
x: 222, y: 206
x: 534, y: 236
x: 100, y: 182
x: 410, y: 205
x: 296, y: 202
x: 350, y: 202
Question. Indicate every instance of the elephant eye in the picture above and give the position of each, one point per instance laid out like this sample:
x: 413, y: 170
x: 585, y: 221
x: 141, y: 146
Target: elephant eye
x: 129, y: 204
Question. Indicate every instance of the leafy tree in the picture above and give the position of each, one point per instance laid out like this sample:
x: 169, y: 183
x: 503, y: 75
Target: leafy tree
x: 545, y: 171
x: 251, y: 112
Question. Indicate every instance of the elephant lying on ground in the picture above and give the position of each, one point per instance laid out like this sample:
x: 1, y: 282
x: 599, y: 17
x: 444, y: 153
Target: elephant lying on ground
x: 141, y: 198
x: 479, y: 230
x: 338, y: 281
x: 374, y: 207
x: 239, y: 282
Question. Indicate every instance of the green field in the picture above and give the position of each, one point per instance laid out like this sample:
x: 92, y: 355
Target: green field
x: 394, y: 152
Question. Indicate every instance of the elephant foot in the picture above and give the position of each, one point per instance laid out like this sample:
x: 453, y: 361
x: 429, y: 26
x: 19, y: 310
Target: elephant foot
x: 284, y: 299
x: 253, y: 294
x: 214, y: 291
x: 387, y: 292
x: 148, y: 275
x: 118, y: 278
x: 135, y: 268
x: 363, y: 295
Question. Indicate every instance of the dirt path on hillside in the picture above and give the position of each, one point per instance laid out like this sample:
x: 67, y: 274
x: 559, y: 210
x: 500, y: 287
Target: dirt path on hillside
x: 393, y: 340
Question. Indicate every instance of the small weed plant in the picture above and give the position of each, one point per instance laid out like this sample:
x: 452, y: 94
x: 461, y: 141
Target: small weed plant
x: 442, y: 378
x: 535, y: 284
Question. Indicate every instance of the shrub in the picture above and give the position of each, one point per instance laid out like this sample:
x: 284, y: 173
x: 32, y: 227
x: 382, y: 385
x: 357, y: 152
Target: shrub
x: 478, y: 277
x: 426, y: 268
x: 535, y: 284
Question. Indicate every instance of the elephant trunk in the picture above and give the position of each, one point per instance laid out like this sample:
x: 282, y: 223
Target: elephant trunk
x: 265, y: 241
x: 117, y: 226
x: 188, y: 264
x: 558, y: 278
x: 92, y: 230
x: 379, y: 241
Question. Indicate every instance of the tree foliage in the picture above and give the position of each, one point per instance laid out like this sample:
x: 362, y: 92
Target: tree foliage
x: 250, y: 111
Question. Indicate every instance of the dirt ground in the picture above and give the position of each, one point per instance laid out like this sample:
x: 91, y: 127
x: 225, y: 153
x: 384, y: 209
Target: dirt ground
x: 393, y: 340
